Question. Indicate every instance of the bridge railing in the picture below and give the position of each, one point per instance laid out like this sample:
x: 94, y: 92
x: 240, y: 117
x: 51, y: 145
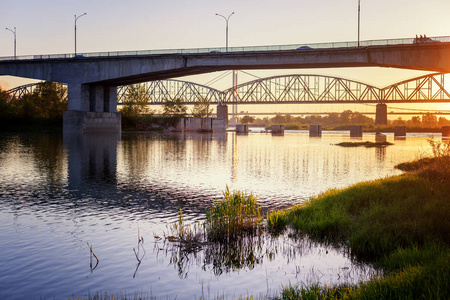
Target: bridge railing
x: 217, y: 50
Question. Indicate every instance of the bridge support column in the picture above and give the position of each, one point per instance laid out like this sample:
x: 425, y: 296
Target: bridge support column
x: 381, y: 114
x: 95, y: 98
x: 110, y: 99
x: 399, y: 131
x: 356, y: 131
x: 78, y: 97
x: 92, y: 108
x: 445, y: 132
x: 222, y: 113
x: 315, y: 130
x: 102, y: 98
x: 278, y: 129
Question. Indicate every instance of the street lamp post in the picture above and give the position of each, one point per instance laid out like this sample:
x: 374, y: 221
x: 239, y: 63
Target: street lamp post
x: 226, y: 20
x: 76, y: 18
x: 14, y: 32
x: 359, y: 13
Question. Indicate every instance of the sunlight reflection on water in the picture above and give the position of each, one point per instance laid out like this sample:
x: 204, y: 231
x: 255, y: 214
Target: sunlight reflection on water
x: 59, y: 193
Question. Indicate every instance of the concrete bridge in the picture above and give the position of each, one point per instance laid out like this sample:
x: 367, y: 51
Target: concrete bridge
x: 93, y: 78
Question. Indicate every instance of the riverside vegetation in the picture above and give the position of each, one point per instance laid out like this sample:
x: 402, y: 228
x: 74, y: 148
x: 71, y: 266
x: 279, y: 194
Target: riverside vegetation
x: 401, y: 224
x: 230, y: 236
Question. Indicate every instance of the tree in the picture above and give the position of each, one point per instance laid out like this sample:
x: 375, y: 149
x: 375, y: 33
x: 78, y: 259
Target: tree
x: 175, y: 107
x: 278, y: 119
x: 443, y: 121
x: 136, y: 101
x: 346, y: 117
x: 429, y: 120
x: 51, y: 99
x: 5, y: 105
x: 399, y: 122
x: 314, y: 119
x: 247, y: 119
x: 332, y: 119
x: 201, y: 108
x: 358, y: 118
x: 415, y: 121
x: 47, y: 101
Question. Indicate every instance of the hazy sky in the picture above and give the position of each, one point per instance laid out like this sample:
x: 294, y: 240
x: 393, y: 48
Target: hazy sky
x: 47, y: 26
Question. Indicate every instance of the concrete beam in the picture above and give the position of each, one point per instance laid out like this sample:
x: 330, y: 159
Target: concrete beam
x: 115, y: 71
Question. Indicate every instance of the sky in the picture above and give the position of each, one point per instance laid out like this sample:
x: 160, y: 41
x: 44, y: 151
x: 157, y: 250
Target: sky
x: 47, y: 27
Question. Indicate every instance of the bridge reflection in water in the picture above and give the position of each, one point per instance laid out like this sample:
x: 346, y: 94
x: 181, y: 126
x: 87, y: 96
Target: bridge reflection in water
x: 92, y: 158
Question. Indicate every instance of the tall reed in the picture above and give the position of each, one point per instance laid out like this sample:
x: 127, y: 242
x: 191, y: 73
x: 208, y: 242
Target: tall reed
x: 183, y: 232
x: 236, y: 216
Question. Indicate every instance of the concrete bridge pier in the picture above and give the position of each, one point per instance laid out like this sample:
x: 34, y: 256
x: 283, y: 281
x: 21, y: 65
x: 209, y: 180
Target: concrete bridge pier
x: 381, y: 114
x: 315, y: 130
x: 222, y: 113
x: 92, y: 108
x: 356, y: 131
x: 445, y: 132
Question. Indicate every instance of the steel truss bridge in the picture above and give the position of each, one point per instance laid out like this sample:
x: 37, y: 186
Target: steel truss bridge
x: 288, y: 89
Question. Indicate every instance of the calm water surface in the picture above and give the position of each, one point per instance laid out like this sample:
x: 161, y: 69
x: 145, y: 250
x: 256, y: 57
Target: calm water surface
x: 59, y: 193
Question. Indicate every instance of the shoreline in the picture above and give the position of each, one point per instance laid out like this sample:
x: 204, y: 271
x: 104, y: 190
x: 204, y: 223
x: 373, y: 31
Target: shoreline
x: 399, y: 223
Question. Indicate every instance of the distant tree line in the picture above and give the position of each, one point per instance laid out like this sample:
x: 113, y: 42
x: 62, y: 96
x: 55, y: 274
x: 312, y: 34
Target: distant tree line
x: 428, y: 120
x: 332, y: 119
x: 45, y: 105
x: 343, y: 120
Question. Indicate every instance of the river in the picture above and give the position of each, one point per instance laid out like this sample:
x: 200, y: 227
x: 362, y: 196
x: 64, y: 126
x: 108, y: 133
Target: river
x: 59, y: 193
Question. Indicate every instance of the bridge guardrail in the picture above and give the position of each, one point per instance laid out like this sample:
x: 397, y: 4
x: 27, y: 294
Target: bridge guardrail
x: 217, y: 50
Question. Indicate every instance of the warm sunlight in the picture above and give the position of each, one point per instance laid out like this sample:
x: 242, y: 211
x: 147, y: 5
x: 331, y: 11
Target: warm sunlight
x: 199, y: 149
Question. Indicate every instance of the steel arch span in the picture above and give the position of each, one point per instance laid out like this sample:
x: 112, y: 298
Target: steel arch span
x: 169, y: 89
x: 288, y: 89
x: 424, y: 89
x: 20, y: 91
x: 329, y: 89
x: 302, y: 89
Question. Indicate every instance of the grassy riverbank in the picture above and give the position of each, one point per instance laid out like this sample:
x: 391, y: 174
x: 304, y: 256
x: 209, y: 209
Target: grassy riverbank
x: 401, y: 224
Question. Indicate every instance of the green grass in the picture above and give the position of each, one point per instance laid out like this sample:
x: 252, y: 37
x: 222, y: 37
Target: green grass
x: 187, y: 233
x: 230, y: 237
x: 236, y: 216
x: 400, y: 223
